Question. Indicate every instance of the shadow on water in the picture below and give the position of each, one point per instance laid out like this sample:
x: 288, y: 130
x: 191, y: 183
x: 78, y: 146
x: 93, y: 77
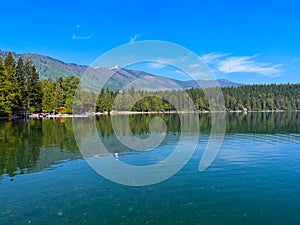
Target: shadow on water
x: 37, y: 145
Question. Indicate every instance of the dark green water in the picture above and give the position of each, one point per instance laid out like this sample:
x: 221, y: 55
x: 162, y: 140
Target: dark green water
x: 255, y: 178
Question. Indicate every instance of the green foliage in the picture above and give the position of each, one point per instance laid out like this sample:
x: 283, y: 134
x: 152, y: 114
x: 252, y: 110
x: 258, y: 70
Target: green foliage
x: 59, y: 94
x: 21, y: 81
x: 252, y: 97
x: 49, y: 96
x: 35, y: 95
x: 263, y: 97
x: 9, y: 89
x: 69, y: 86
x: 20, y: 86
x: 29, y: 85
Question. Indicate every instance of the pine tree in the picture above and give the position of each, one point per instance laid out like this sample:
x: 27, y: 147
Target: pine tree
x: 49, y: 96
x: 69, y: 88
x: 59, y: 93
x: 33, y: 94
x: 9, y: 91
x: 100, y: 102
x: 21, y: 81
x: 2, y: 88
x: 9, y: 65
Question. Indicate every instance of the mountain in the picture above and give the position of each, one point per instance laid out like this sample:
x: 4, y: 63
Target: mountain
x: 49, y: 67
x: 52, y: 68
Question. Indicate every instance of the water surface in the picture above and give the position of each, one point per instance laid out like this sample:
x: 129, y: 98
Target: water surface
x: 255, y: 178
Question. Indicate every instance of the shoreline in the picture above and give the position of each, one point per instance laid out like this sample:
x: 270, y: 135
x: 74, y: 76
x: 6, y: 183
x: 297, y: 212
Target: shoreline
x: 49, y: 116
x: 43, y: 116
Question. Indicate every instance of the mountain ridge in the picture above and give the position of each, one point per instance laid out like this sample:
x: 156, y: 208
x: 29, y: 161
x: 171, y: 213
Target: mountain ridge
x: 51, y: 68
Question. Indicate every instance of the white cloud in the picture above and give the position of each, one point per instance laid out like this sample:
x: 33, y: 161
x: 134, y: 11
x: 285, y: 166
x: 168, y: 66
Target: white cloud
x: 75, y: 37
x: 226, y: 64
x: 155, y: 65
x: 213, y: 57
x: 247, y: 64
x: 136, y: 36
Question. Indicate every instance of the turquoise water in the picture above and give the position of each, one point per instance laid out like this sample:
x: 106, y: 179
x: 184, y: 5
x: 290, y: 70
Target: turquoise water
x: 255, y: 178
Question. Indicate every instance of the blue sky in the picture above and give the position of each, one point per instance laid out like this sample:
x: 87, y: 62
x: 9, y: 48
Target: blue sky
x: 243, y: 41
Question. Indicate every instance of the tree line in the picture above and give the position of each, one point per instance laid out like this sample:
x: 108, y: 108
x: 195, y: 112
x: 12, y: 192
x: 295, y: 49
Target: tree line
x: 20, y: 86
x: 258, y: 97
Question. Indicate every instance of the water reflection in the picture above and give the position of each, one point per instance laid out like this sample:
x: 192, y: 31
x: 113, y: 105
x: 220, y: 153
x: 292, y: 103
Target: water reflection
x: 264, y: 123
x: 28, y: 146
x: 34, y: 145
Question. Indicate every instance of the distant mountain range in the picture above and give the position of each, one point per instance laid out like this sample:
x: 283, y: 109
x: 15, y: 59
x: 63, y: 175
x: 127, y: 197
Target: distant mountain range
x: 120, y: 77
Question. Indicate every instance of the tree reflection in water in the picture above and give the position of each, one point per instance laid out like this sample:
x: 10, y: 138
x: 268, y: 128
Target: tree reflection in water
x: 28, y: 146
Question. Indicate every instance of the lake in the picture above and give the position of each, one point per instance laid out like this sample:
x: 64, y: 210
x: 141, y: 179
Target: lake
x: 255, y: 178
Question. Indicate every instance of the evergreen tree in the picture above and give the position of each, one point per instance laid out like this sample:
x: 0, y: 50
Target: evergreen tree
x: 49, y: 96
x: 33, y: 95
x: 69, y: 87
x: 100, y: 102
x: 59, y: 93
x: 35, y: 92
x: 9, y: 91
x: 2, y: 88
x: 21, y: 81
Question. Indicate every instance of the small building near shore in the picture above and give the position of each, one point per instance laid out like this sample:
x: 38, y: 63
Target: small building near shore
x: 21, y: 112
x: 62, y: 110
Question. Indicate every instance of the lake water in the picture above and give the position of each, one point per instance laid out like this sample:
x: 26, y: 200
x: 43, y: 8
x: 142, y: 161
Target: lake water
x: 255, y: 178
